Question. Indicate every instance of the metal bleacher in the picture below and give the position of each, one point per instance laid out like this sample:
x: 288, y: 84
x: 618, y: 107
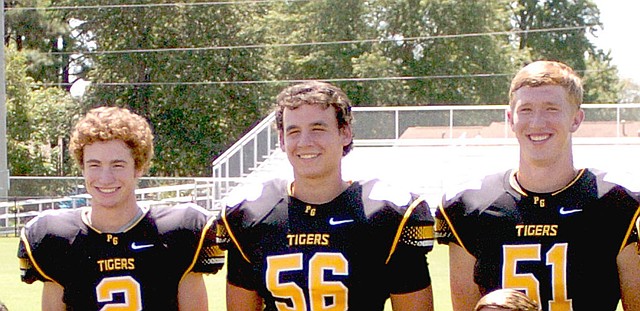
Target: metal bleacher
x: 429, y: 150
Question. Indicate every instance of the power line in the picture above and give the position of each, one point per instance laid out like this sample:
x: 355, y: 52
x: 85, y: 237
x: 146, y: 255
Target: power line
x: 324, y: 43
x: 289, y: 81
x: 371, y: 79
x: 148, y: 5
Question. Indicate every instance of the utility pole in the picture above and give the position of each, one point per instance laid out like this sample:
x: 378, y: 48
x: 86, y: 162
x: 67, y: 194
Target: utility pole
x: 4, y: 170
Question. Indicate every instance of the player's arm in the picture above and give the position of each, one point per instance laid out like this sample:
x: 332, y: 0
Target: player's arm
x: 629, y: 273
x: 409, y: 277
x: 240, y: 299
x: 192, y: 293
x: 464, y: 291
x: 52, y: 297
x: 418, y: 300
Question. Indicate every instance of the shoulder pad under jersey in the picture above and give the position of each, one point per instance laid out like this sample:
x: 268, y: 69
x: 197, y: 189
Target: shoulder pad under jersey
x: 624, y: 179
x: 169, y: 218
x: 461, y: 186
x: 384, y: 191
x: 61, y: 222
x: 251, y: 191
x: 478, y: 195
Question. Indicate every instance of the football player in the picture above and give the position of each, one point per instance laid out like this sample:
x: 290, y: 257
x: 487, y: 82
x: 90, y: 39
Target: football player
x: 115, y: 254
x: 320, y: 242
x: 562, y: 235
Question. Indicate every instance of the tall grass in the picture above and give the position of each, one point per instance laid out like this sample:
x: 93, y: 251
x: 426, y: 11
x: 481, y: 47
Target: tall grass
x: 19, y: 296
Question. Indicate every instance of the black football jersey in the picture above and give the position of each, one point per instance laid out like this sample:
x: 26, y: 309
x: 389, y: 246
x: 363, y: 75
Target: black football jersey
x: 350, y: 253
x: 139, y: 268
x: 560, y: 248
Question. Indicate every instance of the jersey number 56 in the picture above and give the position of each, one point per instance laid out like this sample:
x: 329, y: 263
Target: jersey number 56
x: 320, y: 290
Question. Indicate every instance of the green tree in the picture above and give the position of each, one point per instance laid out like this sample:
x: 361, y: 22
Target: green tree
x: 332, y: 25
x: 568, y: 45
x: 454, y: 59
x: 193, y: 95
x: 601, y: 81
x: 38, y: 119
x: 571, y: 45
x: 204, y: 72
x: 630, y: 92
x: 39, y: 34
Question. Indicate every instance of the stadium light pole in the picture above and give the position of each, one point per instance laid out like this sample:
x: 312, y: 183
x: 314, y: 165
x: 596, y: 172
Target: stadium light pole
x: 4, y: 171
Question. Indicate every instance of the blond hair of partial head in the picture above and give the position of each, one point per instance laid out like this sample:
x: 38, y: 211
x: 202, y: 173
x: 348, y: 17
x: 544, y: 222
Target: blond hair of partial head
x: 541, y: 73
x: 507, y: 298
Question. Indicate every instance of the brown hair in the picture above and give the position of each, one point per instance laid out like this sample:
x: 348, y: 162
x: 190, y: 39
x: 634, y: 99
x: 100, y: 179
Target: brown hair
x: 316, y: 93
x: 509, y: 299
x: 542, y: 73
x: 112, y: 123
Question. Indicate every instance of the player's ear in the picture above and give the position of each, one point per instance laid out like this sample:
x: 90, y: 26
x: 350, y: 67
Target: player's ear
x: 281, y: 140
x: 577, y: 120
x: 510, y: 117
x: 346, y: 134
x: 138, y: 173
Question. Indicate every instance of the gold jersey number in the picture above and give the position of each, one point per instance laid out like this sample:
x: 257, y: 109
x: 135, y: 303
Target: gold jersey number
x: 126, y: 285
x: 555, y: 258
x: 323, y: 295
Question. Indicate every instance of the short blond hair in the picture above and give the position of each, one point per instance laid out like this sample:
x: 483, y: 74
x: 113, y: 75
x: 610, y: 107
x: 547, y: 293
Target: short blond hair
x: 112, y: 123
x: 542, y: 73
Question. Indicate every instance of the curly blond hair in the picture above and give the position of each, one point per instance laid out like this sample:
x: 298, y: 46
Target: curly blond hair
x: 112, y: 123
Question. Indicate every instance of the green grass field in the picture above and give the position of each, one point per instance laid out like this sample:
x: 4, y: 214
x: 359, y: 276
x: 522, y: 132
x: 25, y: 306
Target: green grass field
x: 19, y: 296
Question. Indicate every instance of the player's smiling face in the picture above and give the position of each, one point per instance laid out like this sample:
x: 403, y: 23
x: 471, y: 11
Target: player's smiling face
x: 543, y: 120
x: 110, y: 174
x: 313, y: 142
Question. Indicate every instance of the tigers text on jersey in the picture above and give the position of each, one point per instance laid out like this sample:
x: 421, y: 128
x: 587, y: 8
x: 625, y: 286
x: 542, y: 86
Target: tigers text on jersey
x: 350, y: 253
x: 559, y: 247
x: 139, y: 268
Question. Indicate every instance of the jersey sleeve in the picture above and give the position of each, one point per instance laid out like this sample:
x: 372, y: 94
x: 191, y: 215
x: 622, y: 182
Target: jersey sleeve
x: 407, y: 266
x: 28, y: 271
x: 240, y: 272
x: 443, y: 228
x: 457, y: 215
x: 44, y: 242
x: 211, y: 257
x: 190, y: 232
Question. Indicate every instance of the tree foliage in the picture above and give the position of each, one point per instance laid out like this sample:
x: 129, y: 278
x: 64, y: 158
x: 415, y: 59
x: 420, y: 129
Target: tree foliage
x: 38, y: 122
x: 204, y: 72
x: 183, y: 93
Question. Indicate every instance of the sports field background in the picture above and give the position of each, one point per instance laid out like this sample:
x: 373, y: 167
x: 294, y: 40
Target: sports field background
x: 19, y: 296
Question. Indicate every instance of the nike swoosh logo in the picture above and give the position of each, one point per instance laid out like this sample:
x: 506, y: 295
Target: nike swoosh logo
x: 334, y: 222
x: 135, y: 246
x: 564, y: 211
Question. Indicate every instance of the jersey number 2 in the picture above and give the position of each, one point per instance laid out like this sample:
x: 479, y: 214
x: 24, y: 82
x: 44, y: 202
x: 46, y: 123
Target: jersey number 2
x: 556, y: 257
x: 319, y: 288
x: 126, y: 285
